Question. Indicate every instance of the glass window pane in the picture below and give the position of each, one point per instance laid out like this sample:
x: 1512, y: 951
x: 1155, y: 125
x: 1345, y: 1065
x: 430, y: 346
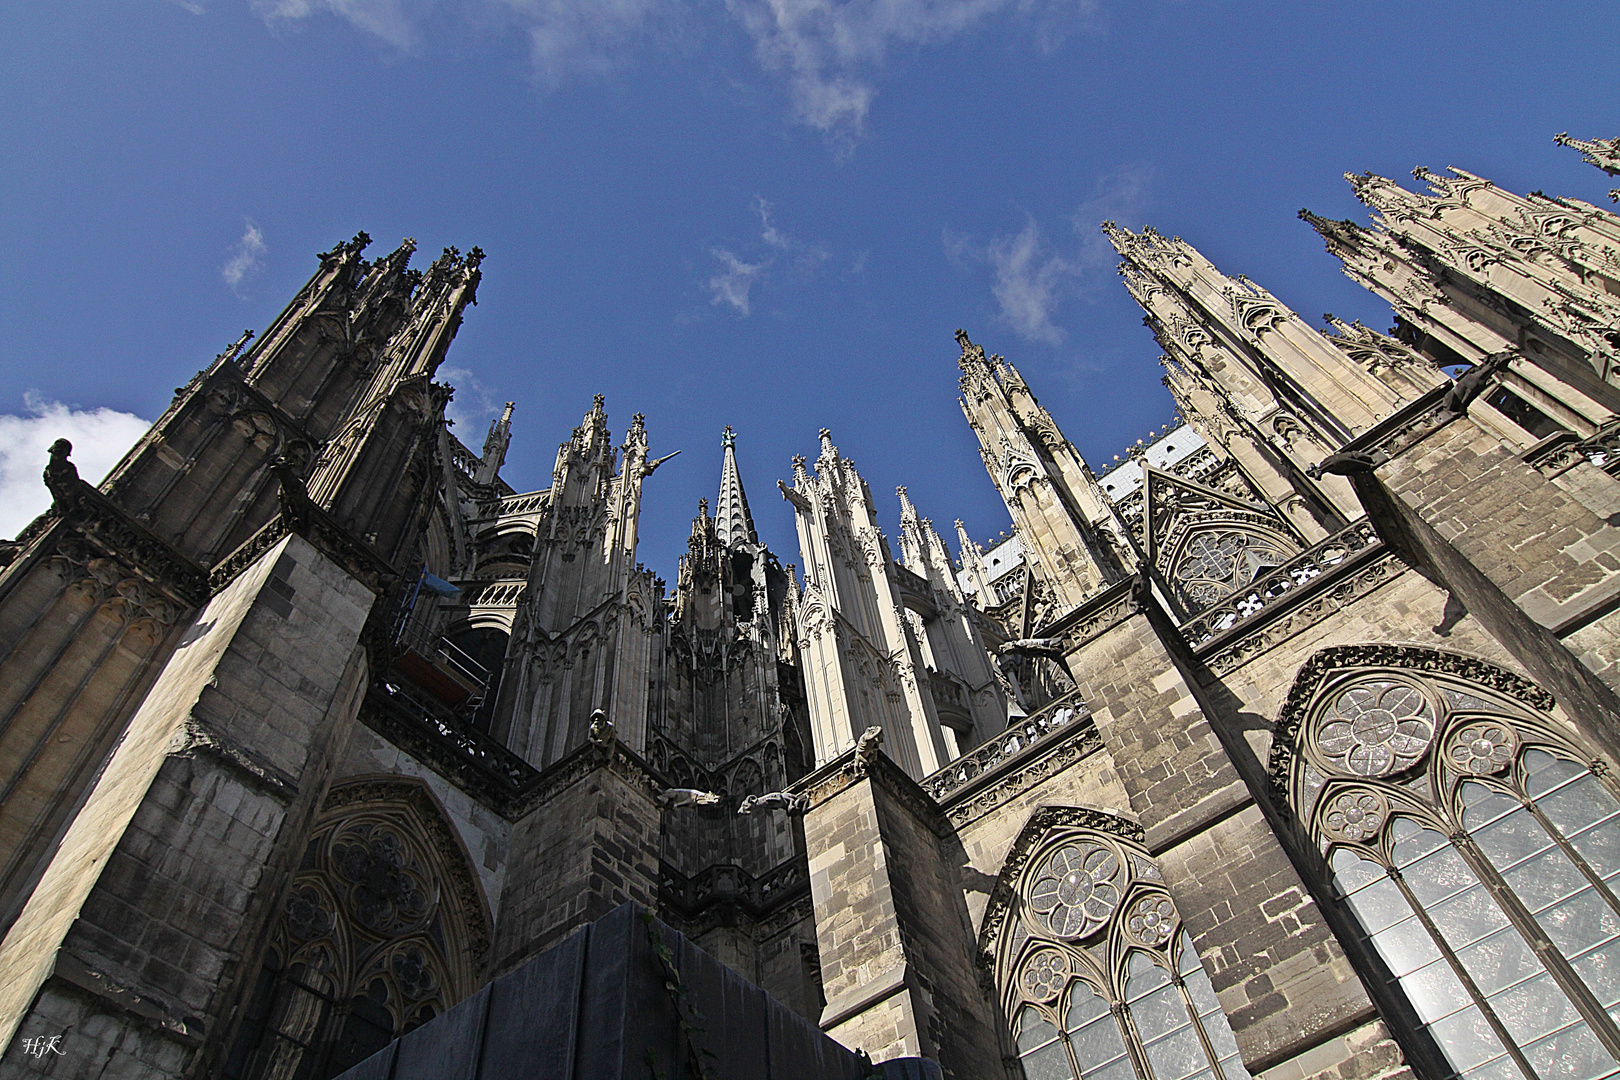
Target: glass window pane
x: 1502, y: 1068
x: 1093, y: 1032
x: 1437, y: 875
x: 1406, y: 946
x: 1412, y: 840
x: 1085, y: 1005
x: 1546, y: 879
x: 1435, y: 991
x: 1500, y: 961
x: 1233, y: 1068
x: 1050, y: 1062
x: 1533, y: 1010
x: 1176, y: 1055
x: 1580, y: 922
x: 1379, y: 905
x: 1483, y: 805
x: 1511, y: 837
x: 1600, y: 970
x: 1467, y: 917
x: 1033, y: 1030
x: 1352, y: 872
x: 1571, y: 1054
x: 1122, y: 1069
x: 1466, y: 1038
x: 1159, y: 1013
x: 1578, y: 805
x: 1544, y: 772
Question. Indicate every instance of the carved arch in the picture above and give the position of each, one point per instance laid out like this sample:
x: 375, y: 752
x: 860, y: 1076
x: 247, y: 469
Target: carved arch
x: 385, y: 926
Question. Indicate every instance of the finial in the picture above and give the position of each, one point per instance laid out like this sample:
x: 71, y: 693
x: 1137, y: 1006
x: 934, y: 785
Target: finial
x: 598, y: 403
x: 798, y: 462
x: 703, y: 508
x: 474, y: 256
x: 506, y: 414
x: 728, y: 438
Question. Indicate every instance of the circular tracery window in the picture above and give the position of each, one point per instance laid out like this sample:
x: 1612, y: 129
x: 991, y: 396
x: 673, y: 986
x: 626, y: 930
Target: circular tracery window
x: 1076, y: 889
x: 1216, y: 564
x: 1376, y: 728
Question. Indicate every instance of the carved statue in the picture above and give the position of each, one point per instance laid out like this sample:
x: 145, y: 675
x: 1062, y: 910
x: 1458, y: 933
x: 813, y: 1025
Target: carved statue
x: 602, y: 735
x: 866, y: 747
x: 679, y: 798
x: 61, y: 475
x: 775, y: 800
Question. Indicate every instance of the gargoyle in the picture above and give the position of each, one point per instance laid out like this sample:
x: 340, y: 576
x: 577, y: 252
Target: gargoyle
x: 1347, y: 463
x: 1034, y: 646
x: 1472, y: 383
x: 602, y: 735
x: 866, y: 747
x: 775, y: 800
x: 678, y: 798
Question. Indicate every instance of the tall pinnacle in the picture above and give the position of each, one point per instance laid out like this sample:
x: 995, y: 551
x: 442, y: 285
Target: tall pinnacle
x: 732, y: 522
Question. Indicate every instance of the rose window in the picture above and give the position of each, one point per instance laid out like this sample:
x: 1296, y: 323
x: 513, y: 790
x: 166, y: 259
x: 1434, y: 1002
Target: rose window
x: 1355, y: 816
x: 1076, y: 890
x: 1377, y: 728
x: 1482, y: 748
x: 1151, y: 921
x: 1045, y: 975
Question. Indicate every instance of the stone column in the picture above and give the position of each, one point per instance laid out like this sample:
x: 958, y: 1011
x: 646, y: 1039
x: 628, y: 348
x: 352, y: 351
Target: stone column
x: 892, y: 926
x: 134, y: 943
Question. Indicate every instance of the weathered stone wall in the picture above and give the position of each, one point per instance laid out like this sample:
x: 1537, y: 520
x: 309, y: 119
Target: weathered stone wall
x: 587, y: 848
x: 152, y: 911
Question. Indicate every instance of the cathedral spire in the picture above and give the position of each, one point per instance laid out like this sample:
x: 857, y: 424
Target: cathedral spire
x: 500, y: 437
x: 733, y: 523
x: 1603, y: 153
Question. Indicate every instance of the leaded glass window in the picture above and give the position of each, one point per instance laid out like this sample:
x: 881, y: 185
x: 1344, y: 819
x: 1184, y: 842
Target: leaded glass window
x: 382, y: 930
x: 1100, y: 980
x: 1477, y: 844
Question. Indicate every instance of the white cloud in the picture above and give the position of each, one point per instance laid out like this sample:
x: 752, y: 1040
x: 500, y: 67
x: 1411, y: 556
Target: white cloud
x: 99, y: 437
x: 245, y: 258
x: 196, y: 7
x: 732, y: 284
x: 1029, y: 280
x: 1122, y: 195
x: 390, y: 20
x: 829, y: 53
x: 472, y: 408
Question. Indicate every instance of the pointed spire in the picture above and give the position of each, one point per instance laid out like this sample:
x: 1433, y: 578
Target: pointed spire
x: 908, y: 512
x: 733, y: 523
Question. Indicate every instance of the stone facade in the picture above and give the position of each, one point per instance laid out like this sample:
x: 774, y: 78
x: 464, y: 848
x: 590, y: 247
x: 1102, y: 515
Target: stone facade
x: 1285, y: 748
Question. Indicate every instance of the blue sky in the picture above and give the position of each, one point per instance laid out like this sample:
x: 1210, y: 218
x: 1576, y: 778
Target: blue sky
x: 767, y: 213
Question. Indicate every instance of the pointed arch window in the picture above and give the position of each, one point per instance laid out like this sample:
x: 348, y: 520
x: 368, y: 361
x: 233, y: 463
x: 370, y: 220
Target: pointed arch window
x: 382, y: 930
x: 1477, y: 843
x: 1098, y: 975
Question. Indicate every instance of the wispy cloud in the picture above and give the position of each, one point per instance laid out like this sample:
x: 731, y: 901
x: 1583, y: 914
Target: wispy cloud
x: 244, y: 258
x: 1031, y: 275
x: 472, y: 407
x: 733, y: 284
x: 1123, y: 195
x: 196, y: 7
x: 830, y: 54
x: 393, y: 21
x: 99, y: 437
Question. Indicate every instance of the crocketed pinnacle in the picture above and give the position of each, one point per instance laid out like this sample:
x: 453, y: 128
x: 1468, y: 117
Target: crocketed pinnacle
x: 732, y: 522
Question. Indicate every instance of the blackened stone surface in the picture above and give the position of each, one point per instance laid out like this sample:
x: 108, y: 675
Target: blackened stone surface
x: 607, y: 1003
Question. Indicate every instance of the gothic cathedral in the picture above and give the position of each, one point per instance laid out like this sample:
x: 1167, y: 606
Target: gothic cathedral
x: 1285, y: 748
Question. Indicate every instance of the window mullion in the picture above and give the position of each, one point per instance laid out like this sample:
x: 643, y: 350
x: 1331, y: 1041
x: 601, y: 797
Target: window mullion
x: 1574, y: 987
x: 1074, y: 1059
x: 1462, y: 974
x: 1198, y: 1026
x: 1133, y: 1040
